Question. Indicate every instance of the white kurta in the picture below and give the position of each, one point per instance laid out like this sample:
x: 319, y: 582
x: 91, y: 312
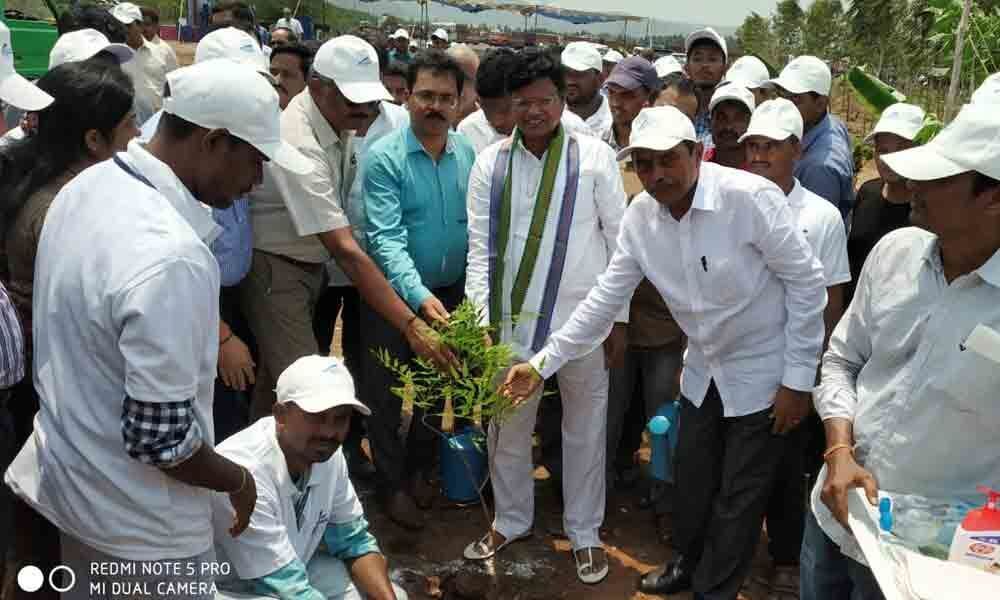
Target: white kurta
x: 583, y: 383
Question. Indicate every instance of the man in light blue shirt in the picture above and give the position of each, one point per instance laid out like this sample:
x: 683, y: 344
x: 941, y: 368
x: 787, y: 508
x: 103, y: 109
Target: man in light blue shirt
x: 827, y: 164
x: 414, y: 190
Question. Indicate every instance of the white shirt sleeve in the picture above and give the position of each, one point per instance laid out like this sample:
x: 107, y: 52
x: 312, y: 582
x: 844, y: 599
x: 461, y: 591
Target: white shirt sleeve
x: 345, y: 506
x: 850, y: 348
x: 788, y: 255
x: 313, y: 200
x: 833, y: 252
x: 609, y: 193
x: 478, y: 206
x: 590, y: 321
x: 162, y: 338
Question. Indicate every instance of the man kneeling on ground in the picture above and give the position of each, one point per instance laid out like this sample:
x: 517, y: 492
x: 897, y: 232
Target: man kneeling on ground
x: 308, y: 538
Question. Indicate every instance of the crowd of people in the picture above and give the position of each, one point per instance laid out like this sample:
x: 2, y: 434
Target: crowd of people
x: 178, y: 243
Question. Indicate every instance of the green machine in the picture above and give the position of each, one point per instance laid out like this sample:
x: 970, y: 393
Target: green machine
x: 33, y: 33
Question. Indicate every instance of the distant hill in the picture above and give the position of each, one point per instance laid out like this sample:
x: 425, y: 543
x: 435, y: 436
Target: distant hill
x: 497, y: 19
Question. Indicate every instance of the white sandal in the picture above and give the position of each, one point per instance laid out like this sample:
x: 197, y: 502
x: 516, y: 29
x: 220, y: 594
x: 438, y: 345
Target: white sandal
x: 482, y: 549
x: 593, y: 577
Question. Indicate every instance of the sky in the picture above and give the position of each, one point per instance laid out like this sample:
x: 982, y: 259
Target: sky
x: 707, y: 12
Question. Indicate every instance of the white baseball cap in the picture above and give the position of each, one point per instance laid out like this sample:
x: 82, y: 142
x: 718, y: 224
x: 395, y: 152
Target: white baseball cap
x: 15, y: 89
x: 352, y: 64
x: 659, y: 128
x: 440, y: 34
x: 318, y: 383
x: 223, y: 94
x: 613, y: 56
x: 235, y: 45
x: 732, y: 91
x: 665, y: 65
x: 582, y: 56
x: 988, y: 92
x: 77, y: 46
x: 804, y: 74
x: 400, y: 33
x: 748, y: 71
x: 127, y: 13
x: 905, y: 120
x: 776, y: 119
x: 706, y: 34
x: 969, y: 143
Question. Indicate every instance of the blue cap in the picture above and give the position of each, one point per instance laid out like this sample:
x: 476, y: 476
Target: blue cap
x: 633, y: 72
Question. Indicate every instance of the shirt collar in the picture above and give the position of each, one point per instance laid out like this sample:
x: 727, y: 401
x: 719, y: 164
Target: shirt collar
x: 413, y: 144
x: 197, y: 214
x: 990, y: 271
x: 797, y: 197
x: 932, y: 254
x: 821, y: 129
x: 324, y: 133
x: 704, y: 193
x: 279, y: 466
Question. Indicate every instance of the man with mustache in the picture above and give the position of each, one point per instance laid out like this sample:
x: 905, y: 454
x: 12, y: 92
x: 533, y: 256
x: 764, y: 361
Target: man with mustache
x: 415, y: 183
x: 772, y: 147
x: 308, y: 537
x: 544, y: 209
x: 722, y: 249
x: 731, y: 107
x: 584, y: 76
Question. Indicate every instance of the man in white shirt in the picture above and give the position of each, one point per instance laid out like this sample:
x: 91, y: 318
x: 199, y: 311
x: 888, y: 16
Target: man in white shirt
x: 773, y: 144
x: 151, y: 32
x: 300, y: 222
x: 289, y: 22
x: 308, y: 537
x: 494, y: 120
x: 122, y: 458
x: 908, y: 395
x: 148, y: 69
x: 584, y: 76
x: 722, y: 248
x: 466, y: 58
x: 564, y: 196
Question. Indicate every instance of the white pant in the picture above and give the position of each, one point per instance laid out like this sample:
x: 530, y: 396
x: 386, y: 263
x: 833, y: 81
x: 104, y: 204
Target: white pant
x: 583, y: 385
x: 328, y: 575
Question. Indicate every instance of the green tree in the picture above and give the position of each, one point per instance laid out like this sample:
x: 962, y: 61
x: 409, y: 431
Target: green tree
x: 754, y: 37
x: 824, y: 30
x: 872, y: 25
x: 786, y: 26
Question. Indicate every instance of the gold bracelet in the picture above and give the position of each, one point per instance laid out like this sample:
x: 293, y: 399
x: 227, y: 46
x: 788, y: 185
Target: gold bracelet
x: 243, y: 483
x: 835, y: 448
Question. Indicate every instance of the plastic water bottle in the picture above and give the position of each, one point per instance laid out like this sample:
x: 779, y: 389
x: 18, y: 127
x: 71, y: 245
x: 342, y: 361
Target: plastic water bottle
x: 660, y: 441
x: 885, y: 514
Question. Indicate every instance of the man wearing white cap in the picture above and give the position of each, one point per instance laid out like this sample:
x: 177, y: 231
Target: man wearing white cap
x: 584, y: 69
x: 722, y: 248
x: 611, y: 58
x: 148, y: 69
x: 439, y: 39
x: 564, y: 198
x: 665, y: 65
x: 827, y: 164
x: 750, y: 72
x: 884, y: 202
x: 124, y: 431
x: 772, y: 147
x: 308, y: 537
x: 730, y: 108
x: 707, y: 56
x: 908, y: 389
x: 300, y: 222
x: 287, y: 21
x: 400, y: 41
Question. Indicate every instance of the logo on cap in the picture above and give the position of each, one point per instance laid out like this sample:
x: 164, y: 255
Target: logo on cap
x: 247, y: 47
x: 7, y: 51
x: 365, y: 60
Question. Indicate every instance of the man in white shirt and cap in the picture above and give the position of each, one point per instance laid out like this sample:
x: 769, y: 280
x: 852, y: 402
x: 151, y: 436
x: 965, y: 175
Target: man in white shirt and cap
x: 563, y: 199
x: 439, y: 39
x: 908, y: 390
x: 751, y: 73
x: 148, y: 69
x: 151, y: 32
x: 722, y: 248
x: 287, y: 21
x: 494, y: 120
x: 707, y: 57
x: 730, y: 108
x: 584, y: 77
x: 122, y: 458
x: 308, y: 537
x: 773, y: 143
x: 400, y: 42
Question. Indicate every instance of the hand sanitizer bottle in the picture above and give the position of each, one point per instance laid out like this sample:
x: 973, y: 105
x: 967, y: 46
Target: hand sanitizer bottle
x: 977, y: 539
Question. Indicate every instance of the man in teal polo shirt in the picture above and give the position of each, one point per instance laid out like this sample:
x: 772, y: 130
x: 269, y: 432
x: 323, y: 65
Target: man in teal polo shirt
x: 414, y: 190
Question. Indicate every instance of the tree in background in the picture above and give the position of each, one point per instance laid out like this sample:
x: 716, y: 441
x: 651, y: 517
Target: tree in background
x: 786, y: 27
x: 754, y: 37
x: 824, y: 30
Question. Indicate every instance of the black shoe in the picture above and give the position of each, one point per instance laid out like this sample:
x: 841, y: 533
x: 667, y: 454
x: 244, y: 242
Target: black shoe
x: 673, y: 577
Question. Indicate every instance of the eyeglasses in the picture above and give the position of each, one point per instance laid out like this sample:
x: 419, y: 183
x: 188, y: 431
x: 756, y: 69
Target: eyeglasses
x: 430, y: 99
x: 523, y: 104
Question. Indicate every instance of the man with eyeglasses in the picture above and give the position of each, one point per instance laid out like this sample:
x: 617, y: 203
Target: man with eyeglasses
x: 544, y: 210
x: 707, y: 57
x: 300, y: 222
x: 415, y: 183
x: 827, y: 164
